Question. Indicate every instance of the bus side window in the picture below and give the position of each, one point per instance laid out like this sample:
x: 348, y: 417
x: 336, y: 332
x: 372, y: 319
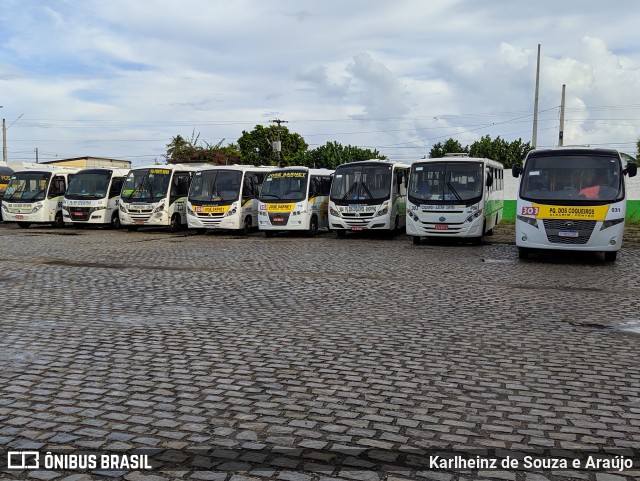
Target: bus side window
x: 325, y: 186
x: 248, y: 189
x: 58, y: 187
x: 180, y: 184
x: 116, y: 187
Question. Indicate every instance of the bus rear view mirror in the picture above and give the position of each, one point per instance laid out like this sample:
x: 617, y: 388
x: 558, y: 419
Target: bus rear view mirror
x: 516, y: 170
x: 632, y: 169
x: 489, y: 180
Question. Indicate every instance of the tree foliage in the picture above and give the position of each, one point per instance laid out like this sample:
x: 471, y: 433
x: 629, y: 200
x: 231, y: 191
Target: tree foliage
x: 256, y: 148
x: 184, y: 151
x: 332, y: 154
x: 507, y: 153
x: 451, y: 146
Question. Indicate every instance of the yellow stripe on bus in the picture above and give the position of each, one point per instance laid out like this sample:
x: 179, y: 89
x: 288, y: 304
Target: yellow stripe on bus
x: 572, y: 212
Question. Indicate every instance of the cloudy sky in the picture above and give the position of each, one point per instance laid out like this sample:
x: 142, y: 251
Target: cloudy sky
x: 121, y: 78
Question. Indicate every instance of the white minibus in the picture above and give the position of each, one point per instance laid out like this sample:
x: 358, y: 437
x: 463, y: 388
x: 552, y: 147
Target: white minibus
x: 455, y: 196
x: 225, y: 197
x: 571, y: 198
x: 369, y: 195
x: 156, y: 196
x: 34, y: 195
x: 93, y: 196
x: 294, y: 199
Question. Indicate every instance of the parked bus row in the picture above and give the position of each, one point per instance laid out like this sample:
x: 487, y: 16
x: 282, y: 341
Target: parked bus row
x: 568, y: 198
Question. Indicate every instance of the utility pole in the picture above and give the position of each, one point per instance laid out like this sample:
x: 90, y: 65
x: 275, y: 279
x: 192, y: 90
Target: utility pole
x: 561, y: 133
x: 36, y: 155
x: 534, y: 137
x: 4, y: 141
x: 277, y: 144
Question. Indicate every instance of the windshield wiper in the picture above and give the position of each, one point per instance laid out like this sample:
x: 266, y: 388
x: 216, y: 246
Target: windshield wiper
x: 454, y: 191
x: 272, y: 195
x: 364, y: 186
x: 355, y: 184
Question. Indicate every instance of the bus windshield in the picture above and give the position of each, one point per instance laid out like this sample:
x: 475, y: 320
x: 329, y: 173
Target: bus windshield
x: 580, y: 179
x: 289, y: 185
x: 448, y: 182
x: 146, y: 184
x: 91, y: 184
x: 216, y: 186
x: 28, y: 186
x: 361, y: 183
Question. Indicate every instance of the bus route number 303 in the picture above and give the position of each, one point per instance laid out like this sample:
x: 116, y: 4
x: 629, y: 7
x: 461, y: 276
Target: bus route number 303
x: 528, y: 210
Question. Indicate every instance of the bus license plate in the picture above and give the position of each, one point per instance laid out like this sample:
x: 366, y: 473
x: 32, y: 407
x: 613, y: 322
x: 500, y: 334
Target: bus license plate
x: 568, y: 233
x: 140, y: 222
x: 278, y: 219
x: 356, y: 228
x: 442, y: 227
x: 19, y: 217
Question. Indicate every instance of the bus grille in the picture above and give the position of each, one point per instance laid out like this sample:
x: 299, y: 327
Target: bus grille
x: 79, y: 213
x: 553, y: 227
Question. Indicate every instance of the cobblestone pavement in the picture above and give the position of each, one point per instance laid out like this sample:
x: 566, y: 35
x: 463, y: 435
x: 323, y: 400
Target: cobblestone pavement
x: 357, y: 357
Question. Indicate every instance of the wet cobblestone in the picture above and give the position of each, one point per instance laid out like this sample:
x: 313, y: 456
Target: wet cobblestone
x: 114, y: 340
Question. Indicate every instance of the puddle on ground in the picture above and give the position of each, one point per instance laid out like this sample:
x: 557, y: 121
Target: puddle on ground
x: 628, y: 325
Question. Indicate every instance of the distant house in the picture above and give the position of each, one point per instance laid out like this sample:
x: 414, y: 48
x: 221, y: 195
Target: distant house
x: 88, y: 162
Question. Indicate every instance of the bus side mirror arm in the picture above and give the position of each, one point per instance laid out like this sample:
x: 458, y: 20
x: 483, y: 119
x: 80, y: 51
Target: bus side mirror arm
x: 516, y: 170
x: 631, y: 170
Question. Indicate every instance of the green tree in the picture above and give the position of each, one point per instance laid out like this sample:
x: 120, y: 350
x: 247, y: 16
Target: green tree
x: 507, y: 153
x: 183, y: 151
x: 255, y: 146
x: 451, y: 146
x: 332, y: 154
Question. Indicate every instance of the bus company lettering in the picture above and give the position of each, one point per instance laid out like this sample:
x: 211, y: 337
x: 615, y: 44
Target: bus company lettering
x: 598, y: 212
x: 285, y: 175
x: 280, y: 207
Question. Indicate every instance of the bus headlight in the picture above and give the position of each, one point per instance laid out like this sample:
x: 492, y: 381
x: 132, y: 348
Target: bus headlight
x: 231, y: 211
x: 190, y: 211
x: 532, y: 221
x: 473, y: 216
x: 36, y: 208
x: 610, y: 223
x: 413, y: 215
x: 121, y: 207
x: 382, y: 212
x: 334, y: 212
x: 159, y: 208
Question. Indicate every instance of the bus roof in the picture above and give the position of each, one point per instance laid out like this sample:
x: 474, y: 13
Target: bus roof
x: 238, y: 167
x: 114, y: 171
x: 187, y: 167
x: 394, y: 163
x: 311, y: 170
x: 573, y: 150
x: 490, y: 162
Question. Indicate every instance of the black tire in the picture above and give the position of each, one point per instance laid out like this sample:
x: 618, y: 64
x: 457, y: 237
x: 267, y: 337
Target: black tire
x: 246, y: 227
x: 416, y: 240
x: 610, y: 256
x: 175, y: 225
x: 523, y: 253
x: 24, y: 225
x: 58, y: 221
x: 268, y: 234
x: 341, y: 233
x: 313, y: 227
x: 115, y: 221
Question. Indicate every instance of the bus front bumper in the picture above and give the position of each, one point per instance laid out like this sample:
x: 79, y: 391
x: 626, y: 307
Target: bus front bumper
x: 214, y: 222
x: 599, y: 240
x: 459, y: 228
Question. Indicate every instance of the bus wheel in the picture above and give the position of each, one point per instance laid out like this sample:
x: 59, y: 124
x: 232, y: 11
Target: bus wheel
x: 175, y: 223
x: 268, y: 234
x: 246, y: 227
x: 610, y: 256
x: 313, y: 227
x: 416, y: 240
x: 115, y: 221
x: 58, y: 221
x: 24, y: 225
x: 523, y: 253
x: 341, y: 233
